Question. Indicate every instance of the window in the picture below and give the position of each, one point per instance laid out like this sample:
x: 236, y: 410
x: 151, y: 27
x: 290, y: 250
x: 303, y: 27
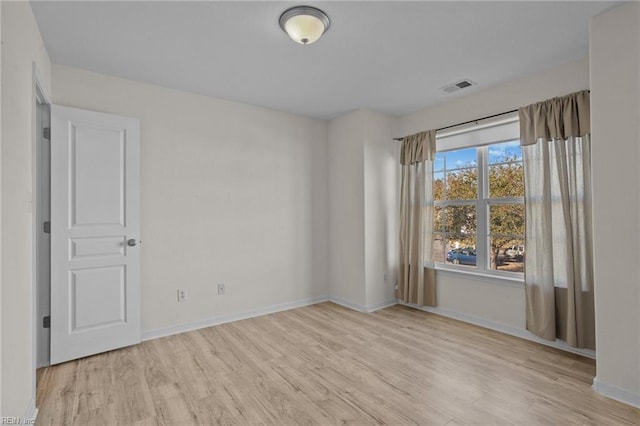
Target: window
x: 479, y: 207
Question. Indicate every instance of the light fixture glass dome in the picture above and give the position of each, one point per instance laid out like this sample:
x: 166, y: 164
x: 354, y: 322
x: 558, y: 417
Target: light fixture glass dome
x: 304, y: 24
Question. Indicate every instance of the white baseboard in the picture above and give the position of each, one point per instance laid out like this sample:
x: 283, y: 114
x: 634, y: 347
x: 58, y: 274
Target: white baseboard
x: 362, y: 308
x: 616, y: 392
x: 343, y: 302
x: 221, y: 319
x: 513, y: 331
x: 381, y: 305
x: 32, y: 412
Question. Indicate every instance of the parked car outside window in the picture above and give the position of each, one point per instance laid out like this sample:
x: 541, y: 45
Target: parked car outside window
x: 462, y: 256
x: 515, y: 253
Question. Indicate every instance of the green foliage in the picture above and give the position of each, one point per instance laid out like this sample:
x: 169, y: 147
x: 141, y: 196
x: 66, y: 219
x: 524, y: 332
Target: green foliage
x: 506, y: 221
x: 462, y: 184
x: 506, y: 180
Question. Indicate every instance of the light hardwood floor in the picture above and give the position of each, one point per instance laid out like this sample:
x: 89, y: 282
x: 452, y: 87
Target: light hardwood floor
x: 325, y: 364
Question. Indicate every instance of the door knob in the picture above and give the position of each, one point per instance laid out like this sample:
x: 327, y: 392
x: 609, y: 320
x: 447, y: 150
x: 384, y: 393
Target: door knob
x: 131, y: 242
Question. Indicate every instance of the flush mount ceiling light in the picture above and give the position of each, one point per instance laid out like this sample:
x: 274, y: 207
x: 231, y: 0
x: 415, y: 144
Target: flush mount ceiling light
x: 304, y: 24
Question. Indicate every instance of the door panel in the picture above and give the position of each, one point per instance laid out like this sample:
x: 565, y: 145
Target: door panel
x: 97, y: 175
x: 97, y: 297
x: 96, y: 247
x: 95, y: 275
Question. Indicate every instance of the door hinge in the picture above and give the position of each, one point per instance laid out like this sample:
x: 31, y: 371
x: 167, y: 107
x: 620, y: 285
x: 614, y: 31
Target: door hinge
x: 46, y: 227
x: 46, y: 133
x: 46, y: 322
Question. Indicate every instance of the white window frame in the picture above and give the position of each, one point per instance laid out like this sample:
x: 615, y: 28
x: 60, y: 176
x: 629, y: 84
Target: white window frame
x: 480, y: 137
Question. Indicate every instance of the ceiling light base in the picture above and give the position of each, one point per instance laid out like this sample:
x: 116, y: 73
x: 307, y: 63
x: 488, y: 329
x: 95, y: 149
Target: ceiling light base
x: 304, y: 24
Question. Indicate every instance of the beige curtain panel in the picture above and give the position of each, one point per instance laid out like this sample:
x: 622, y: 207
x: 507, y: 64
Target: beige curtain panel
x: 559, y: 259
x: 557, y: 118
x: 416, y: 276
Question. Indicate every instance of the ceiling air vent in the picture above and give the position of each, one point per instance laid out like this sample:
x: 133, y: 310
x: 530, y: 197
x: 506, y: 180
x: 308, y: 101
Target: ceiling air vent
x: 454, y: 87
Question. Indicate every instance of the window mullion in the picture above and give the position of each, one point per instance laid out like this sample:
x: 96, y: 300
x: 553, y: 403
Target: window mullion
x: 446, y: 203
x: 505, y: 200
x: 481, y: 210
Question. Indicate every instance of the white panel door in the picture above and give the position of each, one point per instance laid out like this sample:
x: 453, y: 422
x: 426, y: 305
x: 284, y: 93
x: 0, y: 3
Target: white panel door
x: 95, y: 227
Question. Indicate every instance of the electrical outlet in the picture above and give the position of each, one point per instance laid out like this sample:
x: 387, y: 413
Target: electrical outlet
x: 221, y: 289
x: 182, y: 295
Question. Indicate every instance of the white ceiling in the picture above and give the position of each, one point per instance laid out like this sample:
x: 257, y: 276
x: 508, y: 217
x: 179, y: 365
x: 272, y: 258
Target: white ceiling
x: 388, y: 56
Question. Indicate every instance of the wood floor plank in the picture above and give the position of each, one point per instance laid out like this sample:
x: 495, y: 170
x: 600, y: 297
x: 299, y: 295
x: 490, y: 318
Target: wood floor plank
x: 58, y: 395
x: 325, y: 364
x: 95, y: 384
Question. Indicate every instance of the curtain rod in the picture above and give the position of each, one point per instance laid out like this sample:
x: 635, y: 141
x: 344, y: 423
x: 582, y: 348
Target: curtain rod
x: 468, y: 122
x: 473, y: 121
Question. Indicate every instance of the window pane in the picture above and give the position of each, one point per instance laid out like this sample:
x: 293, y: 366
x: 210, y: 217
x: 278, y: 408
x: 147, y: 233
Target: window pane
x: 438, y: 163
x: 460, y: 158
x: 461, y: 250
x: 506, y: 254
x: 460, y: 220
x: 506, y: 180
x: 438, y: 248
x: 503, y: 152
x: 462, y: 184
x: 438, y: 219
x: 438, y: 186
x: 456, y: 192
x: 506, y: 219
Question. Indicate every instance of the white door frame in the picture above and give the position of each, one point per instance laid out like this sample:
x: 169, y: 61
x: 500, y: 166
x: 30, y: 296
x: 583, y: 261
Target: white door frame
x: 41, y: 213
x: 39, y: 96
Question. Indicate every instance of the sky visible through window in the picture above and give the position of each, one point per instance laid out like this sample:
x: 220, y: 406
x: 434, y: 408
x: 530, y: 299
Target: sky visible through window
x: 459, y: 158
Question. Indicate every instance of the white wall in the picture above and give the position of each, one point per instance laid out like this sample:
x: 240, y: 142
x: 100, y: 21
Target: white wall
x: 488, y: 300
x: 21, y: 47
x: 460, y: 293
x: 381, y: 183
x: 363, y: 185
x: 615, y: 112
x: 231, y: 194
x: 346, y: 210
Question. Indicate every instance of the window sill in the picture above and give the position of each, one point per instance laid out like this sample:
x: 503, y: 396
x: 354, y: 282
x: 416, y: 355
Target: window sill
x: 514, y: 280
